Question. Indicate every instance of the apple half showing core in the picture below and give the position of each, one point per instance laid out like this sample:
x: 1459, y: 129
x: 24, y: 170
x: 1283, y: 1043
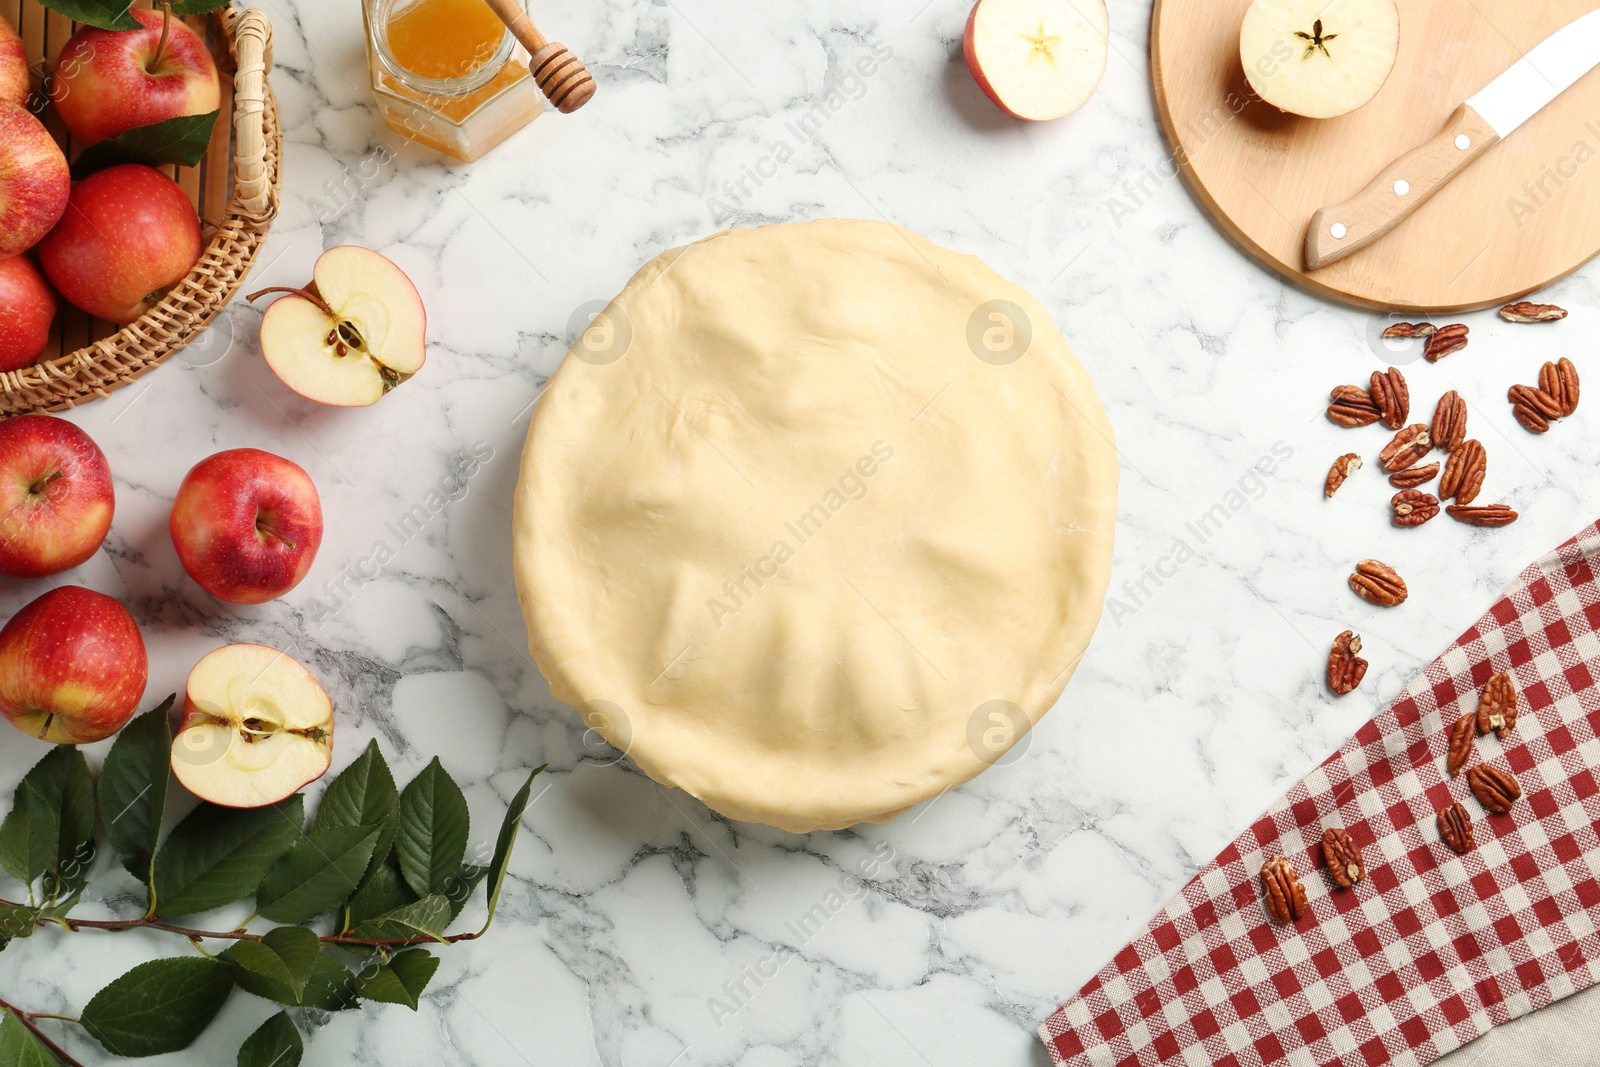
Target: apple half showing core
x: 1319, y: 58
x: 357, y: 331
x: 1037, y: 59
x: 257, y: 727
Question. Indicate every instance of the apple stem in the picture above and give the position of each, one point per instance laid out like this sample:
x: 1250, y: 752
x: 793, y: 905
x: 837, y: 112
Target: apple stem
x: 268, y: 531
x: 44, y: 483
x: 49, y: 721
x: 322, y: 304
x: 161, y: 45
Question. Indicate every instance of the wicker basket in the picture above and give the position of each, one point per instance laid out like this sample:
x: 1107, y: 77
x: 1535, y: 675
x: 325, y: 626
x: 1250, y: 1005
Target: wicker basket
x: 235, y: 190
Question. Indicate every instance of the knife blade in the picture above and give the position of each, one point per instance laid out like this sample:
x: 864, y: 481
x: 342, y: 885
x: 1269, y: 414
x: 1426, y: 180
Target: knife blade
x: 1544, y: 73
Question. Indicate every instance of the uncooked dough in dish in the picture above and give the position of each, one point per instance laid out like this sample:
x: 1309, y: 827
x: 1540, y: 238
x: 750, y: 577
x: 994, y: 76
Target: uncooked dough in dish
x: 815, y: 521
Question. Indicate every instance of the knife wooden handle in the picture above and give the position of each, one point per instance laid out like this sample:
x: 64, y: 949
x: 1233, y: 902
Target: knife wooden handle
x: 1405, y: 185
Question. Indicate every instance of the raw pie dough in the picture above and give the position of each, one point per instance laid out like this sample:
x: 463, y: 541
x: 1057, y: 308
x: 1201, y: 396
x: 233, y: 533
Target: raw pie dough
x: 806, y: 511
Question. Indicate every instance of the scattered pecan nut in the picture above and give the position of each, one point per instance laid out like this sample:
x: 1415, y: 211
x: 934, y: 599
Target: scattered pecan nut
x: 1413, y: 507
x: 1483, y: 514
x: 1524, y: 311
x: 1345, y: 667
x: 1462, y: 736
x: 1391, y: 396
x: 1495, y: 789
x: 1463, y: 473
x: 1497, y: 705
x: 1455, y: 827
x: 1352, y: 406
x: 1445, y: 340
x: 1284, y: 896
x: 1450, y: 421
x: 1408, y: 446
x: 1411, y: 329
x: 1533, y: 407
x: 1342, y: 468
x: 1560, y: 381
x: 1378, y: 583
x: 1412, y: 477
x: 1343, y: 858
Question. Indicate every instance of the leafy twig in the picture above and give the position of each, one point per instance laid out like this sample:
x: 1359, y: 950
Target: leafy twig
x: 26, y: 1018
x: 153, y: 923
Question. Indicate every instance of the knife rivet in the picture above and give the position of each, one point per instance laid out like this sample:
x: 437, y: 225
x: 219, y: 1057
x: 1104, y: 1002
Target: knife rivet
x: 1338, y: 230
x: 1402, y: 187
x: 1463, y: 142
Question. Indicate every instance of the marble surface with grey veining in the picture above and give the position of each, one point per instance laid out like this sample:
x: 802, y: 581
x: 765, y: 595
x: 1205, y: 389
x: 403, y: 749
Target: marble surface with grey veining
x: 637, y: 928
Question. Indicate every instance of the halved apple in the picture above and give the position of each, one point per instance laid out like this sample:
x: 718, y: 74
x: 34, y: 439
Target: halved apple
x: 257, y: 727
x: 1037, y: 59
x: 357, y: 331
x: 1319, y: 58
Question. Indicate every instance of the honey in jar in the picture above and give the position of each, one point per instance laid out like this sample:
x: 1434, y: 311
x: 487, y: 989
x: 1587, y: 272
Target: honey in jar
x: 447, y: 74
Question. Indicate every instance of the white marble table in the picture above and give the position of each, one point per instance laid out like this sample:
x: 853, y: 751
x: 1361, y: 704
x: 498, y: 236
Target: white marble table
x: 638, y: 929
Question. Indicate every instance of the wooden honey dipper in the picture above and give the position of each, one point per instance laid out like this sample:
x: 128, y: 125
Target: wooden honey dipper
x: 566, y: 82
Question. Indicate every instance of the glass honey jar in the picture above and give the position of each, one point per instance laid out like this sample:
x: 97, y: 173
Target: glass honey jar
x: 448, y: 74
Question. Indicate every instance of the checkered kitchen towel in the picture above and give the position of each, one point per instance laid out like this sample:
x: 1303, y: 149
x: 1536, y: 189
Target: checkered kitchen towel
x: 1433, y: 949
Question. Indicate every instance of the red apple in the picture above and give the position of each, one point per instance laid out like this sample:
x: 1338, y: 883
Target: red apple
x: 56, y: 498
x: 13, y: 66
x: 1037, y: 59
x: 257, y: 727
x: 109, y: 81
x: 72, y: 667
x: 129, y: 234
x: 34, y: 180
x: 27, y: 308
x: 247, y: 525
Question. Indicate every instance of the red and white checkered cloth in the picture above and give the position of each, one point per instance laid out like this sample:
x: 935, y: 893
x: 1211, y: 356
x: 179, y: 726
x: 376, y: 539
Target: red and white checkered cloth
x: 1432, y: 949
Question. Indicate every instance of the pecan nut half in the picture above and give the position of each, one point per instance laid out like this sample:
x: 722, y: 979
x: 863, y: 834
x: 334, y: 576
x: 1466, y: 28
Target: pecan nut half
x: 1411, y: 329
x: 1378, y: 583
x: 1284, y: 896
x: 1408, y: 446
x: 1525, y: 311
x: 1352, y: 406
x: 1445, y: 340
x: 1462, y: 736
x: 1450, y: 421
x: 1560, y: 381
x: 1345, y: 667
x: 1483, y: 514
x: 1455, y: 827
x: 1530, y: 419
x: 1413, y: 507
x: 1497, y: 705
x: 1535, y: 398
x: 1343, y: 858
x: 1495, y: 789
x: 1463, y: 473
x: 1412, y: 477
x: 1342, y: 468
x: 1392, y: 396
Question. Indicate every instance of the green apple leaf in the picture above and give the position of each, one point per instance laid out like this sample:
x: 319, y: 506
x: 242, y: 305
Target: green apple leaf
x: 278, y: 966
x: 383, y: 891
x: 104, y: 14
x: 16, y: 922
x: 196, y: 7
x: 331, y: 986
x: 506, y: 842
x: 429, y: 917
x: 51, y: 823
x: 317, y: 875
x: 19, y: 1047
x: 160, y: 1006
x: 217, y: 855
x: 182, y: 140
x: 276, y: 1043
x: 133, y: 788
x: 401, y: 980
x: 434, y: 825
x: 363, y: 794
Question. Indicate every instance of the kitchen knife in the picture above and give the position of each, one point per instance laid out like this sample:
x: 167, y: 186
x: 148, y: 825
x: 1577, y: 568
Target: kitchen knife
x: 1476, y: 126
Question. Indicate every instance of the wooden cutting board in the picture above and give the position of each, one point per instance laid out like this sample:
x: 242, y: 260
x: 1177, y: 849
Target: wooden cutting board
x: 1526, y: 213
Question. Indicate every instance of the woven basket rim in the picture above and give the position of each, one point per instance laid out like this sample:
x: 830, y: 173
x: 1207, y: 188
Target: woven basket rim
x: 194, y: 303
